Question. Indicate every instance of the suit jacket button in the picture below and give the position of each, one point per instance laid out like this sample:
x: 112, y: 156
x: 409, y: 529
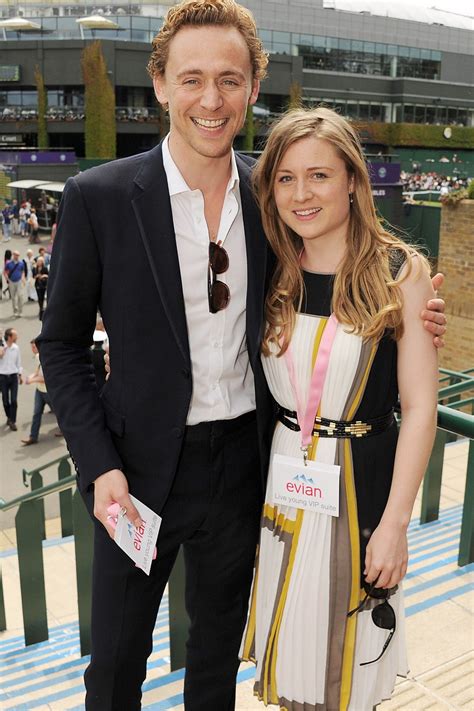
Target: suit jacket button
x: 186, y: 372
x: 178, y: 432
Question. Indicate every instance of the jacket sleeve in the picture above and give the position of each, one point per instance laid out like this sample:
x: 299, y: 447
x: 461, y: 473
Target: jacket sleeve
x: 74, y: 287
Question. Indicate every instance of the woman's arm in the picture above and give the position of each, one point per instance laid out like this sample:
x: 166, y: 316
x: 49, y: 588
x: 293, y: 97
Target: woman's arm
x: 387, y: 551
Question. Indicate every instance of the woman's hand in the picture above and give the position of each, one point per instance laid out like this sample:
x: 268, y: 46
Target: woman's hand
x: 386, y: 558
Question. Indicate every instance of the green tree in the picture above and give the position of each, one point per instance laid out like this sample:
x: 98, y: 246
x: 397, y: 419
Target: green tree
x: 100, y: 129
x: 43, y: 140
x: 249, y: 128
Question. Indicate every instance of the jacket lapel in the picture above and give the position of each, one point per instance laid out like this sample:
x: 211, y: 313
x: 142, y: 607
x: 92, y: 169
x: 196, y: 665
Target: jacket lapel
x: 256, y: 260
x: 152, y: 209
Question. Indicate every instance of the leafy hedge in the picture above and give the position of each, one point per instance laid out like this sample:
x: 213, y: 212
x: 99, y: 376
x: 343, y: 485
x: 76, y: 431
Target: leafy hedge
x: 249, y: 129
x: 415, y: 134
x: 43, y: 140
x: 100, y: 130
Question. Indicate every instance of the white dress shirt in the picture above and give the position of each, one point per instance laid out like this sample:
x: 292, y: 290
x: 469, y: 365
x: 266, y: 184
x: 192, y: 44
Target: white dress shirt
x: 223, y: 383
x: 10, y: 363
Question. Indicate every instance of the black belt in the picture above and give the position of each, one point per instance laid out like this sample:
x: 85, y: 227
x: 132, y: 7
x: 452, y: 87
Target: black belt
x: 218, y: 428
x: 339, y: 428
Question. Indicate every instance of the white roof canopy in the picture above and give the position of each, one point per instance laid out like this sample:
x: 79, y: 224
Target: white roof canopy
x: 19, y: 24
x: 97, y: 22
x: 25, y: 184
x: 37, y: 185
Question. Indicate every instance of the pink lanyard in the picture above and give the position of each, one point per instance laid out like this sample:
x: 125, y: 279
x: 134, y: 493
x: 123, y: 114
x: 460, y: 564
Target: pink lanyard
x: 306, y: 418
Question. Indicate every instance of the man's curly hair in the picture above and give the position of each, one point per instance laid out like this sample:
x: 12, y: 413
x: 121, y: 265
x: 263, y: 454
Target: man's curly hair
x: 199, y: 13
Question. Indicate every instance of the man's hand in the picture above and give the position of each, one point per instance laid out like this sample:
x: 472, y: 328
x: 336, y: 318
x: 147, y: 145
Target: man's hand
x: 110, y: 488
x: 433, y: 316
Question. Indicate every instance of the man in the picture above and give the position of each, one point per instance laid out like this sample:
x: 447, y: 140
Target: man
x: 176, y: 422
x: 41, y: 398
x: 15, y: 217
x: 15, y: 277
x: 10, y: 376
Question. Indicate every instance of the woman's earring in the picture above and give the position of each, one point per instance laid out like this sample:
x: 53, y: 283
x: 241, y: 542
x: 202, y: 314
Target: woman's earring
x: 351, y: 198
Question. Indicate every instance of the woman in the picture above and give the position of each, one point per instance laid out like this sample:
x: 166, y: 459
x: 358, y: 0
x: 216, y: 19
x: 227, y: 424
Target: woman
x: 343, y: 338
x: 34, y: 226
x: 30, y: 280
x: 40, y: 275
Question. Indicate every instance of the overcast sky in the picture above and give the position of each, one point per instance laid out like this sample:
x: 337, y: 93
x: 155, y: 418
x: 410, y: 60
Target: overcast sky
x: 455, y: 13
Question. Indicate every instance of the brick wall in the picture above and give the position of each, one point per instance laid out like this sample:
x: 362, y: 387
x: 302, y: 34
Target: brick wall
x: 456, y: 261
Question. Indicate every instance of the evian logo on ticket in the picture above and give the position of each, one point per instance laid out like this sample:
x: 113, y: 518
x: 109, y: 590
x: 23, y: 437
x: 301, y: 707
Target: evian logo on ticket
x: 139, y: 543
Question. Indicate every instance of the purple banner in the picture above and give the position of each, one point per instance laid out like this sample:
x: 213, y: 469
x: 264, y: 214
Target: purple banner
x: 38, y: 157
x: 384, y: 173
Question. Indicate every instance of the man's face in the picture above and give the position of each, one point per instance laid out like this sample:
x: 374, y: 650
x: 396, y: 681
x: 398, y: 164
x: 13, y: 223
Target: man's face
x: 207, y: 85
x: 16, y: 256
x: 13, y: 337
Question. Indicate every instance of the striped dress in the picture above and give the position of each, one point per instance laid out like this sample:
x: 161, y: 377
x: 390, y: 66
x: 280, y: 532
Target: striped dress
x: 308, y: 568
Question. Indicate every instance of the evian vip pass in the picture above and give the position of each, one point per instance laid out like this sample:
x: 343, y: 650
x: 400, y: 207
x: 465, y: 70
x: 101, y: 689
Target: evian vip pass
x: 139, y: 543
x: 313, y: 487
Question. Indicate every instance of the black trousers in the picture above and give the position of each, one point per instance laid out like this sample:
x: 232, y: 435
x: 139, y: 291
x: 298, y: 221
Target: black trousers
x: 9, y: 388
x: 213, y: 511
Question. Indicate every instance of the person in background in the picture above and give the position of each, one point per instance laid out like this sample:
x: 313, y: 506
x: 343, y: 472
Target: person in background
x: 41, y: 397
x: 6, y: 258
x: 98, y: 353
x: 10, y: 375
x: 24, y: 214
x: 40, y: 275
x: 14, y: 273
x: 34, y: 226
x: 7, y: 223
x: 30, y: 282
x: 42, y: 252
x: 15, y: 217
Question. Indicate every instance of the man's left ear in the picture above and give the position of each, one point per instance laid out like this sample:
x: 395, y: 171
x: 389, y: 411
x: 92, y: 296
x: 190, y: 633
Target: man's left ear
x: 255, y: 90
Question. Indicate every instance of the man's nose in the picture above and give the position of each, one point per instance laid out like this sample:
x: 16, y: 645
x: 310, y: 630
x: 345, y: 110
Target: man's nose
x: 211, y: 98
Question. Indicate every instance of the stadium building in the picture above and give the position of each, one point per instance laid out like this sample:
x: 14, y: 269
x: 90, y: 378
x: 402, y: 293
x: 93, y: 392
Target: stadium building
x: 372, y: 68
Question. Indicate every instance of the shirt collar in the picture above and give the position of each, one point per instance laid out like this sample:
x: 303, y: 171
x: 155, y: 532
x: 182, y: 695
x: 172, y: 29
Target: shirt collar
x: 176, y: 182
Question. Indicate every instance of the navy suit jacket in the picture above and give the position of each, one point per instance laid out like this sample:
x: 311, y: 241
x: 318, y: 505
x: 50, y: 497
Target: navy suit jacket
x: 115, y: 249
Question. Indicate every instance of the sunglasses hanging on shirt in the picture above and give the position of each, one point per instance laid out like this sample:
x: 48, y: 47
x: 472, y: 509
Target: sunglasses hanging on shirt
x: 218, y: 292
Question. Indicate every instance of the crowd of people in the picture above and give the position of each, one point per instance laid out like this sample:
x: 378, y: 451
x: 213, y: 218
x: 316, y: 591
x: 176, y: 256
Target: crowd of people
x: 442, y: 184
x: 25, y: 279
x: 19, y: 220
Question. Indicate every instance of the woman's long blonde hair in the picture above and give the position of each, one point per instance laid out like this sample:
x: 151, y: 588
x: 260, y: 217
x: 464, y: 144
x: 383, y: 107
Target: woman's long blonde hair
x: 366, y: 297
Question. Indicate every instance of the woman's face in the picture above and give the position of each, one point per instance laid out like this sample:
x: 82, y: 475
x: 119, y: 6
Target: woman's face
x: 312, y: 189
x: 40, y: 262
